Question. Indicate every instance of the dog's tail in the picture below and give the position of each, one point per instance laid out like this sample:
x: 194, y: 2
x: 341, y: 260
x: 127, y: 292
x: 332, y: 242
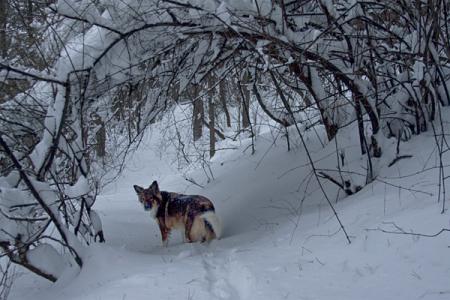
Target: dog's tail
x: 212, y: 222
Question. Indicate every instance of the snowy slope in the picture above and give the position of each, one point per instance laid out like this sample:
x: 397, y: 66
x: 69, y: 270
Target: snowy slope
x: 281, y: 240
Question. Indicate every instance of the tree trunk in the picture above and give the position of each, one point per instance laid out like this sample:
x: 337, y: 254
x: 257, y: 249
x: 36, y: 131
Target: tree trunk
x: 243, y: 85
x: 3, y: 21
x: 197, y: 114
x: 100, y: 137
x: 359, y: 118
x: 223, y: 101
x: 305, y: 77
x: 29, y: 18
x: 212, y: 118
x: 174, y: 91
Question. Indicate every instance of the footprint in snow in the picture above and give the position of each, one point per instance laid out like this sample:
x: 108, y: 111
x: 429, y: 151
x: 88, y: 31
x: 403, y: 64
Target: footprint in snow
x: 227, y: 278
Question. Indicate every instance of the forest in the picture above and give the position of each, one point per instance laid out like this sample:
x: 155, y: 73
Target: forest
x: 320, y: 123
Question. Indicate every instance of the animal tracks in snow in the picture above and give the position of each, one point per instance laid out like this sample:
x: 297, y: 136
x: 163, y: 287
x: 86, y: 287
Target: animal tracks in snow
x: 227, y: 278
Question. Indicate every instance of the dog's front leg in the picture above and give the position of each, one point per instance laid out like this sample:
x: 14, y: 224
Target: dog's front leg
x: 165, y: 239
x: 164, y: 233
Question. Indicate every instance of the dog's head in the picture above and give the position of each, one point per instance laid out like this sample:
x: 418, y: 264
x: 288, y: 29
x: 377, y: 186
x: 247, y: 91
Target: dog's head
x: 150, y: 197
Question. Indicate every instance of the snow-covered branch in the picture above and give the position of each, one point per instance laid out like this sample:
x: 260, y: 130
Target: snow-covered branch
x: 8, y: 72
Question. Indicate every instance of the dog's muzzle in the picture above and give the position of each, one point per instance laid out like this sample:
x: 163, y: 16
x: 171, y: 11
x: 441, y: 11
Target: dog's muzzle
x: 147, y: 206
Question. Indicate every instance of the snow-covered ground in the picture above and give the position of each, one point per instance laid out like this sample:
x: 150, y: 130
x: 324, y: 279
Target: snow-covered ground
x: 281, y: 240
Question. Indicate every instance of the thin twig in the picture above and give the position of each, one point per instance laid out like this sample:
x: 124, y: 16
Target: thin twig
x: 409, y: 233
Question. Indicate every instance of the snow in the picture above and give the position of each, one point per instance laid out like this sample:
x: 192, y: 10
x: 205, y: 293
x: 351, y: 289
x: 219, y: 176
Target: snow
x: 280, y: 239
x: 82, y: 9
x: 261, y: 7
x: 80, y: 188
x: 46, y: 258
x: 12, y: 197
x: 96, y: 221
x: 223, y: 14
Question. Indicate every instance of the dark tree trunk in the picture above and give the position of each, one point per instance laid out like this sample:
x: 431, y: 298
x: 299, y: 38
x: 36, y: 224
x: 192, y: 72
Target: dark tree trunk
x: 29, y: 17
x: 3, y: 21
x: 212, y: 118
x: 305, y: 77
x: 100, y: 136
x: 359, y: 118
x: 197, y: 114
x: 243, y: 85
x: 223, y: 101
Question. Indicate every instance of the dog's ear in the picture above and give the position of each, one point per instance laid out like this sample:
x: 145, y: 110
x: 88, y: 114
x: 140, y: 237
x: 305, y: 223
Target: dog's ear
x: 154, y: 187
x: 138, y: 189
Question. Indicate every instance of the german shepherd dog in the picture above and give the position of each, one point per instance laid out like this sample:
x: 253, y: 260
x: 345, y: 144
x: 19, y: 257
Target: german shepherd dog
x: 192, y: 213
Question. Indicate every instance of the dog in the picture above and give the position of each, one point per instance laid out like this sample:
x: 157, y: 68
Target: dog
x: 192, y: 213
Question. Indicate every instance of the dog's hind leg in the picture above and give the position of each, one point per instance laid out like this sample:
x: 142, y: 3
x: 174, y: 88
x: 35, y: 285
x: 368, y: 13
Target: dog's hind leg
x: 188, y: 228
x: 198, y: 231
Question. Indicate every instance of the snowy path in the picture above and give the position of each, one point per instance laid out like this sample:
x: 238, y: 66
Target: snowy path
x: 226, y: 277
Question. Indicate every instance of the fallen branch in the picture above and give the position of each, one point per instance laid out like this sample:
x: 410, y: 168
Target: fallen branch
x: 193, y: 182
x: 217, y: 131
x: 398, y: 158
x: 348, y: 191
x: 409, y: 233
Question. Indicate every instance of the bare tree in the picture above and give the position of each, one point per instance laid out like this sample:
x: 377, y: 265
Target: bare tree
x: 198, y: 113
x: 223, y: 101
x: 3, y: 24
x: 245, y: 101
x: 212, y: 115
